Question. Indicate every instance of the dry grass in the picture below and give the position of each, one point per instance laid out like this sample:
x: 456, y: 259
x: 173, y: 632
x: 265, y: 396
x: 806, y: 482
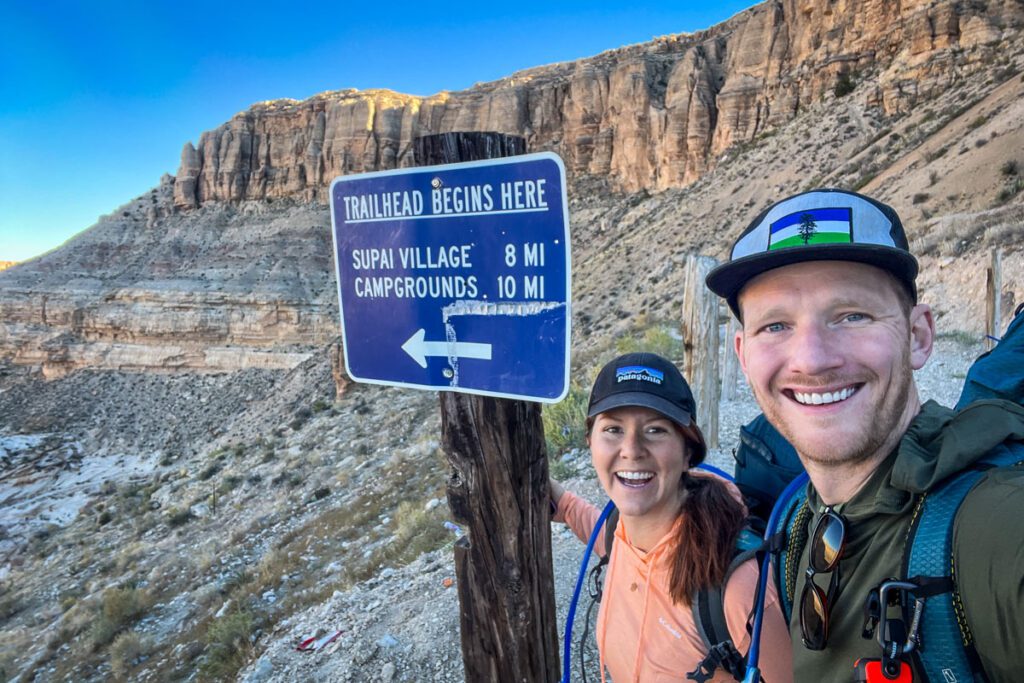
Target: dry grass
x: 125, y: 651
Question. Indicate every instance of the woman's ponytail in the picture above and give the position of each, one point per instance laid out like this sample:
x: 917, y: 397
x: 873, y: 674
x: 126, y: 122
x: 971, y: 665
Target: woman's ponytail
x: 712, y: 519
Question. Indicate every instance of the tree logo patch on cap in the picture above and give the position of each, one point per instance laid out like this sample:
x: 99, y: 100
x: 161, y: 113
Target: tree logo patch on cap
x: 640, y: 373
x: 812, y: 227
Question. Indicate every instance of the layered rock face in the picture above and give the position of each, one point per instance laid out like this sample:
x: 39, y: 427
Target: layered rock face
x: 215, y: 290
x: 649, y: 116
x: 228, y: 265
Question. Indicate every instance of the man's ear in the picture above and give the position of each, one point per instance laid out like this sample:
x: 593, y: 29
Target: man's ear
x: 922, y: 335
x: 737, y: 347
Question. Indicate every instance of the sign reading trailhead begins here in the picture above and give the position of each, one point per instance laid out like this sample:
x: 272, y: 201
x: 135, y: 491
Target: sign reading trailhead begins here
x: 457, y: 277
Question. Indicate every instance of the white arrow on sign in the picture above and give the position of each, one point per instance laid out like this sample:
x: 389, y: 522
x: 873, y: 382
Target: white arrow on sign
x: 418, y: 349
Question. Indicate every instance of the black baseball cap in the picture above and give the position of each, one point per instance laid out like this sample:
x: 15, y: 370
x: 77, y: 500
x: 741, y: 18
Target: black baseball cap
x: 649, y: 381
x: 819, y: 225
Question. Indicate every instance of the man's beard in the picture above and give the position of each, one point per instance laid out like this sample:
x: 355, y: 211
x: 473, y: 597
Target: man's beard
x: 861, y: 446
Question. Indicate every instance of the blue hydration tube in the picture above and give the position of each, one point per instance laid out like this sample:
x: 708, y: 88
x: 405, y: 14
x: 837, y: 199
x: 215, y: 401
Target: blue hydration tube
x: 581, y: 577
x: 753, y: 674
x: 567, y: 664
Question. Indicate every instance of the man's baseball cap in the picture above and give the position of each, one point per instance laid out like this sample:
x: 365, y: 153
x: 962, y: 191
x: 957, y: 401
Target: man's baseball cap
x: 649, y: 381
x: 820, y: 225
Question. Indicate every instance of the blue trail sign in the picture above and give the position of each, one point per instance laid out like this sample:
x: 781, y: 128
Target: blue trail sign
x: 457, y: 277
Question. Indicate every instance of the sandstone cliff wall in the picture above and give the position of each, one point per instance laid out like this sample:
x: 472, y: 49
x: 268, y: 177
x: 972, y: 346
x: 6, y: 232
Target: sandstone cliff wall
x: 648, y: 116
x: 229, y: 264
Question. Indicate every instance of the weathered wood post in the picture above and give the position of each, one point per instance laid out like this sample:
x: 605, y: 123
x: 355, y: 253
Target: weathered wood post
x: 994, y: 298
x: 730, y: 363
x: 498, y: 489
x: 700, y: 342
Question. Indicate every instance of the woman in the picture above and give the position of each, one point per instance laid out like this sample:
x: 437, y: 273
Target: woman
x: 676, y: 533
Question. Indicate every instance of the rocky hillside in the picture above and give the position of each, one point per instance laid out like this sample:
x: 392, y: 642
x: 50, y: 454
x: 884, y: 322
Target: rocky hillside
x: 674, y: 142
x: 190, y: 486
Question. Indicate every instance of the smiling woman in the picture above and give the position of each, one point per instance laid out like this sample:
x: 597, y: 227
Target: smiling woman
x: 676, y: 533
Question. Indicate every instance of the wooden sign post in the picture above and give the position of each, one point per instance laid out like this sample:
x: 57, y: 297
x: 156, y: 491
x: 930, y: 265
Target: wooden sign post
x: 498, y: 489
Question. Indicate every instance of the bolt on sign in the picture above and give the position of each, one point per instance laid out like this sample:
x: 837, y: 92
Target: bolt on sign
x: 457, y: 277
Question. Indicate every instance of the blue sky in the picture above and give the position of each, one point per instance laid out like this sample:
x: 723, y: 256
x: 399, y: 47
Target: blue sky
x: 98, y: 98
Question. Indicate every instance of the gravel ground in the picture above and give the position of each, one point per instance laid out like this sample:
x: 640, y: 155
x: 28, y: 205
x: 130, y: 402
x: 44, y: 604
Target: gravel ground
x: 402, y: 625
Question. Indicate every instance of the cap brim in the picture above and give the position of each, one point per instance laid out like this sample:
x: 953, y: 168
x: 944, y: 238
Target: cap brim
x: 729, y: 278
x: 644, y: 400
x: 672, y: 412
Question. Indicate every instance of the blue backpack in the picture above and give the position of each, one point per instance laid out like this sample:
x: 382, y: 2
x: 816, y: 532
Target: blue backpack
x: 926, y: 563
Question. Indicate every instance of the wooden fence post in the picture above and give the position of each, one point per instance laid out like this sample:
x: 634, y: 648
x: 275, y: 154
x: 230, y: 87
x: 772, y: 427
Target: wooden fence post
x: 994, y: 298
x: 498, y: 489
x: 730, y: 363
x: 700, y: 343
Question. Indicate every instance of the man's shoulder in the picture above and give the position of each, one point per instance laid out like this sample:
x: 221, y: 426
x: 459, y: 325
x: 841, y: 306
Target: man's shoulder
x: 1000, y: 485
x: 991, y: 510
x: 988, y: 564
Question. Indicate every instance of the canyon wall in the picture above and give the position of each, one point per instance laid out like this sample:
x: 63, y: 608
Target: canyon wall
x: 228, y: 264
x: 649, y: 116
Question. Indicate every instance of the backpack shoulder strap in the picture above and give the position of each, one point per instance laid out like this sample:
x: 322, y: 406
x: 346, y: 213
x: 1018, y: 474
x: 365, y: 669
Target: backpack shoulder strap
x: 947, y: 646
x: 789, y: 536
x: 708, y: 607
x: 596, y: 586
x: 609, y: 534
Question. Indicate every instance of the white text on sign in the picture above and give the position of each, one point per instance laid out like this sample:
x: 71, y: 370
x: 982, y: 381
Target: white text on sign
x: 512, y: 196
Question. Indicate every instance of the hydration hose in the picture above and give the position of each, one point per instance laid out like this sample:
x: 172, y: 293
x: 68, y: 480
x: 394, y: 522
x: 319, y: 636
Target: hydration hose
x: 566, y: 663
x: 753, y: 674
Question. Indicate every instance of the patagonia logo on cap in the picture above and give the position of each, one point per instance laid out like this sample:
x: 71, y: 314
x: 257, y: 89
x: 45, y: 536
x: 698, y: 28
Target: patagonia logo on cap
x: 639, y: 372
x: 812, y: 227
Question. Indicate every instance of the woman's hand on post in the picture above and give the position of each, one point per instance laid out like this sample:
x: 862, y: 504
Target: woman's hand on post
x: 556, y: 491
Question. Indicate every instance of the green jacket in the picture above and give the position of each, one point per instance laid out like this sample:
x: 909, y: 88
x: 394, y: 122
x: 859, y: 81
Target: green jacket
x: 988, y: 541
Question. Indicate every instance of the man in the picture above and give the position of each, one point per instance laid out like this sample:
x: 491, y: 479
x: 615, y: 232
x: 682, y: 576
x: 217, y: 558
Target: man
x: 824, y: 285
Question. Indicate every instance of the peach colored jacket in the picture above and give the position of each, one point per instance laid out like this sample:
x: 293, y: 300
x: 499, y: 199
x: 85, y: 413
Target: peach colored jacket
x: 642, y: 637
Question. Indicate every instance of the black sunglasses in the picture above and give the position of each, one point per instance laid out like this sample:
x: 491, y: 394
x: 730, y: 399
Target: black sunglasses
x: 827, y: 543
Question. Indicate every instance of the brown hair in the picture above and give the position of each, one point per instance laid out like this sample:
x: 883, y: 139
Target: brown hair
x: 711, y: 520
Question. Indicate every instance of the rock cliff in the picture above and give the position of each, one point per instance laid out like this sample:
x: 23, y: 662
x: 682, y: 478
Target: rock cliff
x: 228, y: 265
x: 649, y: 116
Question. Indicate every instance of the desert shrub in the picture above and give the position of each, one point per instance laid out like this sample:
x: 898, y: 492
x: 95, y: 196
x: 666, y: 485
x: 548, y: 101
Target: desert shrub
x: 320, y: 405
x: 565, y: 421
x: 977, y: 123
x: 301, y: 416
x: 9, y: 606
x: 418, y: 530
x: 211, y: 469
x: 124, y: 654
x: 560, y: 470
x: 236, y: 579
x: 229, y: 645
x: 933, y: 177
x: 1009, y: 168
x: 178, y: 517
x: 1010, y: 191
x: 655, y: 339
x: 844, y: 84
x: 119, y: 609
x: 920, y: 198
x: 864, y: 180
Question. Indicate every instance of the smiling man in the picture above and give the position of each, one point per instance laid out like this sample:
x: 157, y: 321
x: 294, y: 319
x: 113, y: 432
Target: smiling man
x: 823, y: 284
